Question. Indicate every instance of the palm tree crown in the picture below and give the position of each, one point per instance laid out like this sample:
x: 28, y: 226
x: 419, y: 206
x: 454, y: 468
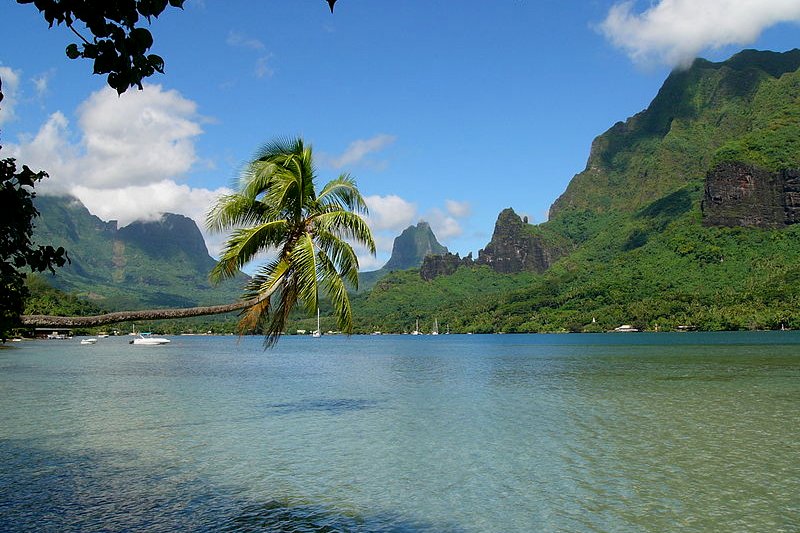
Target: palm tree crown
x: 278, y: 210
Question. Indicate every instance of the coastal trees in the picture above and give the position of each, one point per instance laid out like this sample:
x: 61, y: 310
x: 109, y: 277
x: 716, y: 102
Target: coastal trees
x: 278, y: 209
x: 17, y: 251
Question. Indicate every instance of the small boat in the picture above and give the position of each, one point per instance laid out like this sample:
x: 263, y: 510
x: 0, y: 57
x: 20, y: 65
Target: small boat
x: 626, y: 328
x: 146, y: 339
x: 318, y: 332
x: 90, y: 340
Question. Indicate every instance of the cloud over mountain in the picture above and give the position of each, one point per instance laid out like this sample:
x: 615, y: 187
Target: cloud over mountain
x: 676, y: 31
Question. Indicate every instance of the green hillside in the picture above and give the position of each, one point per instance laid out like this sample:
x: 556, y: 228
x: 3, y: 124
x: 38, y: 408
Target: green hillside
x: 641, y: 251
x: 163, y: 263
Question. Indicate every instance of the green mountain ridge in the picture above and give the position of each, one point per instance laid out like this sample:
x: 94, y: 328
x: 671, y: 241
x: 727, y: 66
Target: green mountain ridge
x: 163, y: 263
x: 636, y: 240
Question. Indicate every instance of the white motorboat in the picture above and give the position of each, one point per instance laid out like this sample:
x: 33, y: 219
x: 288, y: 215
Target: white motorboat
x: 90, y: 340
x: 147, y: 339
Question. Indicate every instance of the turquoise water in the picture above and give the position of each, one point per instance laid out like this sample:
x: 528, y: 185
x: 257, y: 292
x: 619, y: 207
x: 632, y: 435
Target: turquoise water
x: 506, y: 433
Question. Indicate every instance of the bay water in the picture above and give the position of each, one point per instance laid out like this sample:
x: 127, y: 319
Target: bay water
x: 449, y: 433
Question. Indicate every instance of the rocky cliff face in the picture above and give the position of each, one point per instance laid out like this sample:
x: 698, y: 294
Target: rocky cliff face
x: 514, y: 248
x: 738, y: 194
x: 411, y: 247
x: 443, y: 265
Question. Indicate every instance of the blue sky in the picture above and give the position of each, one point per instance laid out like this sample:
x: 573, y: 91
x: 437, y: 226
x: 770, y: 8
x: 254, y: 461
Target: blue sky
x: 443, y: 111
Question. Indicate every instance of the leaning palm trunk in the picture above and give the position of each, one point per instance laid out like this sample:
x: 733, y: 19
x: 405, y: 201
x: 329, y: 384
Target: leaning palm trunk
x: 48, y: 321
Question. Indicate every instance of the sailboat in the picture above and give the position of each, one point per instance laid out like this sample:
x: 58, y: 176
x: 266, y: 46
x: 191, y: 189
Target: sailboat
x: 318, y: 332
x: 435, y: 330
x: 416, y: 329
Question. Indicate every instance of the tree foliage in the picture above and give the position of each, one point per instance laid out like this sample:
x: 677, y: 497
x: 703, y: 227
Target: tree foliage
x: 278, y: 210
x: 118, y: 44
x: 17, y: 250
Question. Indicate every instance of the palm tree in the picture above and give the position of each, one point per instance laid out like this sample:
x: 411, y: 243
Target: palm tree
x: 277, y: 210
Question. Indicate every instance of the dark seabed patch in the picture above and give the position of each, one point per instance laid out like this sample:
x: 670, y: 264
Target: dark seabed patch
x: 334, y: 406
x: 47, y: 491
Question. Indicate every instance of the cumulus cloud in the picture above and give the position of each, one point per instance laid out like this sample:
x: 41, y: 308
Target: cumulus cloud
x: 141, y: 137
x: 358, y: 150
x: 676, y: 31
x: 125, y: 157
x: 458, y: 209
x: 444, y: 226
x: 10, y: 78
x: 390, y: 215
x: 389, y: 212
x: 149, y: 202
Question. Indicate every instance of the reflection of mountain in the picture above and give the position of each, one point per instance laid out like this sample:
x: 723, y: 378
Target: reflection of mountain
x: 408, y: 251
x: 145, y: 264
x: 685, y: 215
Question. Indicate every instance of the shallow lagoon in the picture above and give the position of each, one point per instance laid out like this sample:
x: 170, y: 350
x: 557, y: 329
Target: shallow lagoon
x: 455, y: 433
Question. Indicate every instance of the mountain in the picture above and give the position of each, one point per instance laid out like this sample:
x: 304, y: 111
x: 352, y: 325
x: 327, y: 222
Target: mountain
x: 163, y: 263
x: 685, y: 215
x: 408, y: 251
x: 411, y: 247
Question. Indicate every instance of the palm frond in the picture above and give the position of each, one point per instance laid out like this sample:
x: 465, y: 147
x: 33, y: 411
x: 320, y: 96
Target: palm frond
x: 341, y: 254
x: 336, y: 291
x: 234, y: 210
x: 343, y: 192
x: 244, y: 244
x: 346, y: 225
x: 285, y: 301
x: 304, y: 270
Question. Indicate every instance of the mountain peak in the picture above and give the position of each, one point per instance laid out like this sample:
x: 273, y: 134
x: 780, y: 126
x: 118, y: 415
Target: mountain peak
x: 699, y: 116
x: 411, y: 247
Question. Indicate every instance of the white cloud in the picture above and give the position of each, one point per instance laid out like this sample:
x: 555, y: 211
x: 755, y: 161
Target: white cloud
x: 149, y: 202
x: 10, y: 79
x: 141, y: 137
x: 676, y: 31
x: 444, y: 226
x: 360, y: 149
x: 389, y: 213
x: 124, y: 161
x: 41, y: 83
x: 240, y: 40
x: 458, y: 209
x: 263, y: 68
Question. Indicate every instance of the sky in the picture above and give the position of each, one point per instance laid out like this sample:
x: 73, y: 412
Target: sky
x: 442, y: 111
